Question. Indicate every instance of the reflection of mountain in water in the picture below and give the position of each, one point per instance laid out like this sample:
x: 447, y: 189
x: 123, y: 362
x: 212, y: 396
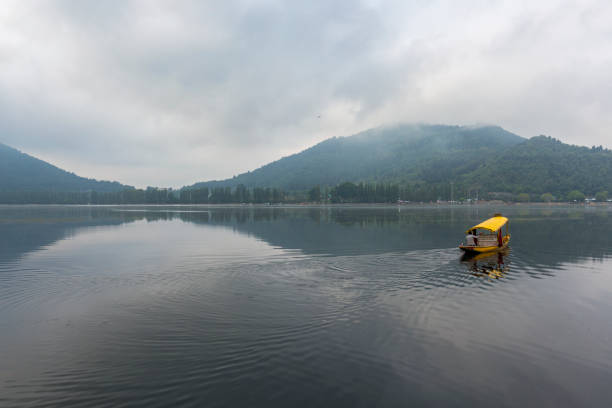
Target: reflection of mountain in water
x: 550, y: 237
x: 30, y: 228
x: 547, y: 238
x: 553, y: 238
x: 345, y: 231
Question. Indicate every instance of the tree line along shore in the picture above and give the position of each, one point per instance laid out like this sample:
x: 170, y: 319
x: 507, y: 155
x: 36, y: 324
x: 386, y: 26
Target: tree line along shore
x: 346, y: 192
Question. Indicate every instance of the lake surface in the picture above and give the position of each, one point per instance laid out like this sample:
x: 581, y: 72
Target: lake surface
x: 302, y: 307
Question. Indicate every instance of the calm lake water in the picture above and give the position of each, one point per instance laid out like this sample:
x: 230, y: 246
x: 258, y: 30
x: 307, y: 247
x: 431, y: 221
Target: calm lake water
x: 302, y: 307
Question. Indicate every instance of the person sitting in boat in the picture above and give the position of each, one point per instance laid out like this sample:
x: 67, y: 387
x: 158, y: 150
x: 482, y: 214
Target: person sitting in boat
x: 472, y: 238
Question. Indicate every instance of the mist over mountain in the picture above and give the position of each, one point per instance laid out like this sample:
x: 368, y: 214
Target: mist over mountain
x: 22, y: 172
x: 422, y: 162
x: 399, y: 154
x: 426, y: 159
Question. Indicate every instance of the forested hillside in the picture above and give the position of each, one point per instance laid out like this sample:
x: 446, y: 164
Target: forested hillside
x: 546, y: 165
x: 406, y: 162
x: 429, y: 162
x: 400, y: 154
x: 22, y: 172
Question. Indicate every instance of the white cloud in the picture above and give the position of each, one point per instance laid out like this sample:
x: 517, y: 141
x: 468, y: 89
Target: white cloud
x: 169, y: 93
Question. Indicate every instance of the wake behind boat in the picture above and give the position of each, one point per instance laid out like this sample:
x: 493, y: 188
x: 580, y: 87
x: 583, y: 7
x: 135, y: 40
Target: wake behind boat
x: 490, y: 235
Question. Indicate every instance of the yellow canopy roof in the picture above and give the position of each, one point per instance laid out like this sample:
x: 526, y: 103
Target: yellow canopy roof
x: 492, y: 224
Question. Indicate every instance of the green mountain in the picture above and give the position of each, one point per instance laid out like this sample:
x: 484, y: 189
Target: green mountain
x: 423, y: 160
x: 400, y: 154
x: 410, y: 162
x: 546, y: 165
x: 22, y: 172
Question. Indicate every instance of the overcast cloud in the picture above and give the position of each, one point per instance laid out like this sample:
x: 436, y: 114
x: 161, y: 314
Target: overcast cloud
x: 174, y: 92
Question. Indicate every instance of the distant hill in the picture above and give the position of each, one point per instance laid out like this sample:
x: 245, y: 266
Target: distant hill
x: 546, y: 165
x: 22, y: 172
x: 422, y: 162
x: 400, y: 154
x: 427, y: 158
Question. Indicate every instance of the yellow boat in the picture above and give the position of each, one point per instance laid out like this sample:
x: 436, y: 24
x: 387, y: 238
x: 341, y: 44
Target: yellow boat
x: 490, y: 235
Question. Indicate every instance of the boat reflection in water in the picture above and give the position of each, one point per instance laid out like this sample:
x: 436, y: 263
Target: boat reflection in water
x: 487, y: 265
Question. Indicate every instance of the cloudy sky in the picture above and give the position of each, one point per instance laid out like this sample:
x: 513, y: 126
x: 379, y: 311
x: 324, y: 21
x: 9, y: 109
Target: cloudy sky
x: 169, y: 93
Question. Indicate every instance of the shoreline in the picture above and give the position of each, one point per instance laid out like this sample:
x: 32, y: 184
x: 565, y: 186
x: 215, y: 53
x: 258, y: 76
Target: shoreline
x: 330, y: 205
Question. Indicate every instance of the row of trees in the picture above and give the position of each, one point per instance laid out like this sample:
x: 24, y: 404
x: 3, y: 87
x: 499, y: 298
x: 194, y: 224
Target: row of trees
x: 348, y: 192
x: 227, y: 195
x: 151, y: 195
x: 365, y: 193
x: 128, y: 196
x: 387, y: 193
x: 342, y: 193
x: 572, y: 196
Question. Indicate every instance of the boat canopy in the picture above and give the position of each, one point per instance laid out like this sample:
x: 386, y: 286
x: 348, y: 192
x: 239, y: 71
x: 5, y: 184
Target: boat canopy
x: 492, y: 224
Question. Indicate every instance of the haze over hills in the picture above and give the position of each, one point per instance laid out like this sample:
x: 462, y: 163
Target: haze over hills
x: 22, y: 172
x: 413, y: 162
x: 399, y: 154
x: 430, y: 157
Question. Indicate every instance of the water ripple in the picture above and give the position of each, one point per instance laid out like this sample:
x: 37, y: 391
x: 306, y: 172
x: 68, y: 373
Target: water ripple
x: 181, y: 313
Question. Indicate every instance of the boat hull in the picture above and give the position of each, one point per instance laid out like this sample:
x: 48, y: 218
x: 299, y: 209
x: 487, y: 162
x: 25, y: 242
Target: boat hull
x: 475, y: 249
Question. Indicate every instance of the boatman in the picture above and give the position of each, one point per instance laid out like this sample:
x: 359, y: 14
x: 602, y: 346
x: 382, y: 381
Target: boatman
x: 471, y: 238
